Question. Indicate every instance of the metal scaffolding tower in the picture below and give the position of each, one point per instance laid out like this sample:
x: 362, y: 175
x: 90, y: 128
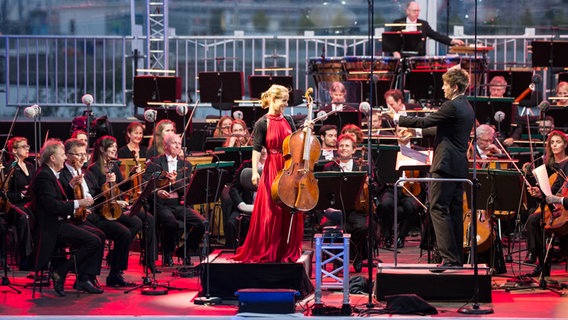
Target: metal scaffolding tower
x: 157, y: 27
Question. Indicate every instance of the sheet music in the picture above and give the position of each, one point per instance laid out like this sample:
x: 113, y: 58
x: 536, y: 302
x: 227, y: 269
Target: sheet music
x: 410, y: 157
x: 541, y: 176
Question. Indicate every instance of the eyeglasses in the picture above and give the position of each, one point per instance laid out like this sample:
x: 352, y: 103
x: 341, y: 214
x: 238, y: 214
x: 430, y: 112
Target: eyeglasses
x: 80, y: 155
x: 24, y: 147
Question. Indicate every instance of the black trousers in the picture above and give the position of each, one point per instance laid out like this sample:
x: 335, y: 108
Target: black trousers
x: 88, y: 246
x: 407, y: 212
x: 534, y: 235
x: 446, y: 212
x: 170, y: 214
x: 121, y: 231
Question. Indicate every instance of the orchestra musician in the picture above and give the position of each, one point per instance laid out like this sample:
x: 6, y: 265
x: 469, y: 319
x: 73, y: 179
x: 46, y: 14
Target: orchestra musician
x: 485, y: 144
x: 17, y: 193
x: 134, y: 136
x: 408, y: 206
x: 497, y: 87
x: 240, y: 136
x: 562, y: 91
x: 328, y: 138
x: 53, y: 212
x: 556, y: 160
x: 170, y: 210
x: 412, y: 13
x: 156, y: 145
x: 223, y: 128
x: 355, y: 221
x: 105, y: 176
x: 270, y: 223
x: 70, y: 176
x: 454, y: 120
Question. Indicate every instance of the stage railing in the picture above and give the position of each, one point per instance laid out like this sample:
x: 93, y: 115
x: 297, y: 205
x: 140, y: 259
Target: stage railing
x: 57, y: 70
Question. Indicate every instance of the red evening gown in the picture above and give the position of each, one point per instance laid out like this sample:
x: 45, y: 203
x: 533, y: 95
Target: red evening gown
x: 266, y: 240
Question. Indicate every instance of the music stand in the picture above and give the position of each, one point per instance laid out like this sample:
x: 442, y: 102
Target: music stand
x: 150, y: 88
x: 150, y: 285
x: 212, y: 143
x: 234, y: 154
x: 405, y: 42
x: 213, y: 177
x: 341, y: 118
x: 487, y: 107
x: 549, y: 53
x: 518, y: 81
x: 221, y: 89
x: 259, y: 84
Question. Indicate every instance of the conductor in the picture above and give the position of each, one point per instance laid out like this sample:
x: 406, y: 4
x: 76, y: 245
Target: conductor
x: 414, y: 24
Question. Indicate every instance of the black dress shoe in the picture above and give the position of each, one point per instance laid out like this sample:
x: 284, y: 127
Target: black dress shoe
x: 357, y: 265
x: 446, y: 266
x: 58, y: 282
x: 153, y: 269
x: 89, y: 287
x: 116, y: 280
x: 400, y: 242
x: 538, y: 270
x: 388, y: 242
x: 530, y: 258
x: 168, y: 260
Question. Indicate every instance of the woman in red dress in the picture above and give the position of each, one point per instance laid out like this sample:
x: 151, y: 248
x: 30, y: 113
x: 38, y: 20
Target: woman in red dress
x: 267, y: 237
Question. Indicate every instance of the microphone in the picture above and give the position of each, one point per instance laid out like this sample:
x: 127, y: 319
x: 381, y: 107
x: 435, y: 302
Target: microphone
x: 181, y: 109
x: 87, y: 99
x: 150, y: 115
x: 238, y: 115
x: 499, y: 116
x: 364, y: 107
x: 32, y: 111
x: 544, y: 106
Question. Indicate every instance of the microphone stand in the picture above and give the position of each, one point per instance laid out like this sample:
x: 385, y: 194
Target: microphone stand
x: 475, y: 308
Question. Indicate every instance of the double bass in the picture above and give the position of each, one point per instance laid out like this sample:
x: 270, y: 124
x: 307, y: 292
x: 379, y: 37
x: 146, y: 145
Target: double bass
x: 295, y: 186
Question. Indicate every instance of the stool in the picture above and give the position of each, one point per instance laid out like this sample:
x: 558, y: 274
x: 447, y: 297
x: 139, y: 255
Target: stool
x: 334, y: 243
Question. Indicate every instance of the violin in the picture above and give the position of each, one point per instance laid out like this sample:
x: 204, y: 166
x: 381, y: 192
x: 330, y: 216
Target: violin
x: 81, y: 212
x: 136, y: 179
x: 111, y: 209
x: 295, y: 186
x: 4, y: 201
x: 412, y: 187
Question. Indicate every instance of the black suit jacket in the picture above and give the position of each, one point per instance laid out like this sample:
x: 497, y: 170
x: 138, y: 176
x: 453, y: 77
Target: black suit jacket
x: 237, y: 191
x: 427, y: 31
x: 51, y: 208
x: 454, y: 121
x: 65, y: 176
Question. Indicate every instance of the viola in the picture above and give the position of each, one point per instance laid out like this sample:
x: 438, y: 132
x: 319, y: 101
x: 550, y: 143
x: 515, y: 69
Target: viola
x: 4, y: 201
x: 295, y: 186
x: 111, y: 209
x: 484, y: 235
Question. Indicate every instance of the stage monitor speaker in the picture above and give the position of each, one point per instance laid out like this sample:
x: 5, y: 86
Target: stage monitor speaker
x: 156, y: 89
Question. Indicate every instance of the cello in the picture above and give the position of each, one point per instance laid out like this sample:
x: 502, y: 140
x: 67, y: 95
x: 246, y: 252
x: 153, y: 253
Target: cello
x: 295, y: 186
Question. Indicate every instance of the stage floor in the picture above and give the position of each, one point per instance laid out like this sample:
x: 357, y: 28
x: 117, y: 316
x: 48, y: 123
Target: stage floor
x: 533, y: 303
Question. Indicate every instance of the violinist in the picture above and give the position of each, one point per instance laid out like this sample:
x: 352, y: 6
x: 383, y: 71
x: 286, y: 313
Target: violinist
x: 408, y: 206
x: 556, y: 160
x: 355, y: 221
x: 240, y: 136
x: 328, y: 137
x: 71, y: 177
x: 267, y: 237
x: 104, y: 174
x: 169, y: 199
x: 485, y: 147
x: 134, y: 136
x: 156, y: 145
x: 18, y: 175
x: 53, y: 211
x: 223, y: 128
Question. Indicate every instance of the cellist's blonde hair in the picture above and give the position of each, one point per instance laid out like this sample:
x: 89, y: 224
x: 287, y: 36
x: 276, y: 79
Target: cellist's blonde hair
x: 275, y: 91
